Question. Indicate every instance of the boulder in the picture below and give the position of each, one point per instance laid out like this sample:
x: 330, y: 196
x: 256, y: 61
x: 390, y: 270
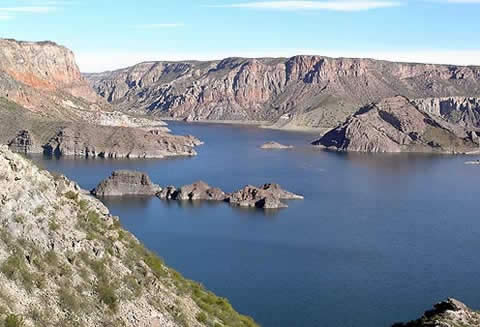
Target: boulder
x: 126, y: 182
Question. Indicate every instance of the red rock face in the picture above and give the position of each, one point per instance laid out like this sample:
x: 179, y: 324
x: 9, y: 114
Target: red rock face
x: 42, y: 66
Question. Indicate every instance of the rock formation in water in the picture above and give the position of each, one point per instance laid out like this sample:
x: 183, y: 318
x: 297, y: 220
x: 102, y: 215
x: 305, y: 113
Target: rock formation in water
x: 45, y: 102
x: 196, y: 191
x: 397, y: 125
x: 473, y: 162
x: 267, y: 196
x: 275, y: 146
x: 301, y: 91
x: 450, y: 313
x: 119, y: 142
x: 126, y: 182
x: 66, y: 261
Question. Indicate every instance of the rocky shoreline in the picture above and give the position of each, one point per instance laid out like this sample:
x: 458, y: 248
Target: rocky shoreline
x: 449, y: 313
x: 124, y: 182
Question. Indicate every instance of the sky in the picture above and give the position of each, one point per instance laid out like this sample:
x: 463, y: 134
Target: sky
x: 109, y: 34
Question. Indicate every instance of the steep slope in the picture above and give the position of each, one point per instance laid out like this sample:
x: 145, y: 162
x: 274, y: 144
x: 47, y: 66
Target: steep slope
x: 65, y: 261
x: 308, y: 91
x: 450, y: 313
x: 397, y: 125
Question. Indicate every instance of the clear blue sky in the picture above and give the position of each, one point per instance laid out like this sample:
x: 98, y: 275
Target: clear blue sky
x: 107, y: 34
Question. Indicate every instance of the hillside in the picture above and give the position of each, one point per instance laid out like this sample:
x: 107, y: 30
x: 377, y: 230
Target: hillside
x: 398, y: 125
x: 302, y: 91
x: 65, y: 261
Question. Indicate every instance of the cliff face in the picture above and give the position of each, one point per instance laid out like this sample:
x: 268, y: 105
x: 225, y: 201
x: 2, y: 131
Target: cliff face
x: 464, y: 111
x: 301, y: 91
x: 40, y: 66
x: 397, y: 125
x: 65, y: 261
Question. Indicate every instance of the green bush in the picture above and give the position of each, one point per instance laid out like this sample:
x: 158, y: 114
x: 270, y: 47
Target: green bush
x: 71, y: 195
x: 53, y: 225
x: 201, y: 317
x: 14, y: 321
x: 68, y: 300
x: 106, y: 293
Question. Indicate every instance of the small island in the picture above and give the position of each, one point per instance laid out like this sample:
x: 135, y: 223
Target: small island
x: 275, y: 146
x: 125, y: 182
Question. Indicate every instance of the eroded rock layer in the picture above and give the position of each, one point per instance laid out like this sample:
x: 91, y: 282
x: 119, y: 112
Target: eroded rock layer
x: 398, y: 125
x: 301, y: 91
x: 118, y: 142
x: 126, y: 182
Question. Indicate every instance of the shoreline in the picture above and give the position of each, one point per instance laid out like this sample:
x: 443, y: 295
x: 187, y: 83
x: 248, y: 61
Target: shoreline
x: 253, y: 123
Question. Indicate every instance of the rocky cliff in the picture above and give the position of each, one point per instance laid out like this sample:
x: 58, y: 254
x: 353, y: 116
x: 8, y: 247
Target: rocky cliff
x: 44, y: 78
x: 310, y: 91
x: 44, y: 66
x: 464, y: 111
x: 398, y: 125
x: 450, y: 313
x: 47, y: 105
x: 65, y: 261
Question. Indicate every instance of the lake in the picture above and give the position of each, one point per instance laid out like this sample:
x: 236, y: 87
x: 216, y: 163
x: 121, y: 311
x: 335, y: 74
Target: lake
x: 378, y: 238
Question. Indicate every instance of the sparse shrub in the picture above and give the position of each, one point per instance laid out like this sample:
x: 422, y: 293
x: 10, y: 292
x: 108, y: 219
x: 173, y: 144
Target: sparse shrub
x: 38, y: 210
x: 53, y: 225
x: 14, y: 321
x: 19, y: 219
x: 201, y: 317
x: 83, y: 205
x: 106, y: 293
x: 68, y: 300
x: 71, y: 195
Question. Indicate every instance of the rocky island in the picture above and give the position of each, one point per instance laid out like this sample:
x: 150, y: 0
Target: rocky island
x: 126, y: 182
x: 275, y: 146
x: 267, y: 196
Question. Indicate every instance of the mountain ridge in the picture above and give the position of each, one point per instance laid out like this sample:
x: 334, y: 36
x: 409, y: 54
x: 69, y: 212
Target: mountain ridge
x: 303, y: 91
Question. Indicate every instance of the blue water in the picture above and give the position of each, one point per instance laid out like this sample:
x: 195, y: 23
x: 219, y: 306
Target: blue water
x: 378, y: 238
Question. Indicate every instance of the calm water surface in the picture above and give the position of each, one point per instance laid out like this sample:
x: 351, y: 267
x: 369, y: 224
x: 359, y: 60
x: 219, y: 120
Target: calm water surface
x: 378, y: 238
